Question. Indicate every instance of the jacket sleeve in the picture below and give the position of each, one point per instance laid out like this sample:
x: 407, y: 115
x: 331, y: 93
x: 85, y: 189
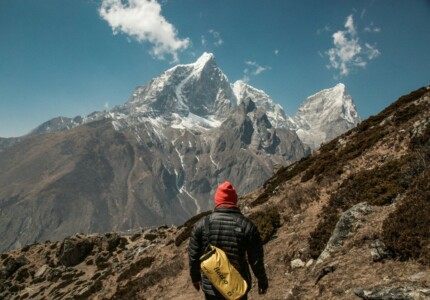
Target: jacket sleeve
x: 195, y: 251
x: 255, y: 254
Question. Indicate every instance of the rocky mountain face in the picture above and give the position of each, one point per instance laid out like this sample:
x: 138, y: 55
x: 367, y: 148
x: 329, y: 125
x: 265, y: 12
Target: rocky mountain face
x: 155, y: 160
x: 349, y: 221
x: 325, y: 115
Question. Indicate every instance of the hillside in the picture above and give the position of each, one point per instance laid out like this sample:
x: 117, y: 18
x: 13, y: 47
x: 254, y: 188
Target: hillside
x: 349, y: 222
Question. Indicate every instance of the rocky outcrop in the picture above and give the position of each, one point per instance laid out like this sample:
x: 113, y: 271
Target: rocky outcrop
x: 405, y: 292
x: 81, y: 265
x: 348, y: 222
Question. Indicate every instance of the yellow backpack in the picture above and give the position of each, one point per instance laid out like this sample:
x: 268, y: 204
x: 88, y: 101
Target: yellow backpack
x: 221, y: 273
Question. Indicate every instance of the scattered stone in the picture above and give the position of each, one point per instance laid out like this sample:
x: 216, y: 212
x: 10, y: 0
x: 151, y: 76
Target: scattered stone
x: 309, y: 263
x: 378, y: 251
x: 297, y: 263
x: 41, y: 273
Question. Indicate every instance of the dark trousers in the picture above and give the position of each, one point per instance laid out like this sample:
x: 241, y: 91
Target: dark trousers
x: 210, y: 297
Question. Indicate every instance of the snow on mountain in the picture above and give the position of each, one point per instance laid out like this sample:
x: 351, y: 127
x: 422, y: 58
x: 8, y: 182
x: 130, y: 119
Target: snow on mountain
x: 274, y: 111
x: 325, y: 115
x: 198, y: 89
x: 198, y: 96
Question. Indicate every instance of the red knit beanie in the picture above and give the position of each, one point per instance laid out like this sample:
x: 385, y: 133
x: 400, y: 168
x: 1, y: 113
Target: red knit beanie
x: 225, y: 195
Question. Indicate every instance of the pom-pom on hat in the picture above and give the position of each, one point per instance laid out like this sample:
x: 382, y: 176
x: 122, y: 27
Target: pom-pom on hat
x: 225, y: 195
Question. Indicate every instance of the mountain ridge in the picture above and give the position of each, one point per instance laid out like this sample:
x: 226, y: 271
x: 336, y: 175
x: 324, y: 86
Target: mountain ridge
x: 164, y: 96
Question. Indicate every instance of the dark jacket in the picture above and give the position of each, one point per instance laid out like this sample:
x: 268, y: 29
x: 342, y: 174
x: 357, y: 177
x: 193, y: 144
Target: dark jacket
x: 237, y: 236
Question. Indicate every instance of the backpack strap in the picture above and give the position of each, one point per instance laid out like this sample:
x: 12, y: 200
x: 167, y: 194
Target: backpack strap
x: 206, y: 231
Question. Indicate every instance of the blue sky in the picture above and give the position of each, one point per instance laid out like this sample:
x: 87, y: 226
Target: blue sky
x: 73, y: 57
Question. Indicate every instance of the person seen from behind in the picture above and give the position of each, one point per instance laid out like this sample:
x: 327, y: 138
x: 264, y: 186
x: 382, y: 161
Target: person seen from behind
x: 236, y: 235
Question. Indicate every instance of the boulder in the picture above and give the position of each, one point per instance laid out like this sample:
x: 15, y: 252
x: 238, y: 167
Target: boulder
x: 74, y: 250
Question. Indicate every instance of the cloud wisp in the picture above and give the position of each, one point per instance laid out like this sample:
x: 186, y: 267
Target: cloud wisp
x: 252, y: 69
x: 347, y: 52
x: 216, y: 35
x: 142, y: 20
x: 215, y: 38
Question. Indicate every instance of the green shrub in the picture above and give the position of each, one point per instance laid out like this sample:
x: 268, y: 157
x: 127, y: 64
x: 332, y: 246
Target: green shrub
x: 319, y: 237
x: 406, y: 231
x: 267, y: 222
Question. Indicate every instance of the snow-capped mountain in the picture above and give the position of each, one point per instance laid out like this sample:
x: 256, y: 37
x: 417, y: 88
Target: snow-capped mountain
x: 198, y: 96
x: 155, y: 160
x: 325, y: 115
x: 183, y: 95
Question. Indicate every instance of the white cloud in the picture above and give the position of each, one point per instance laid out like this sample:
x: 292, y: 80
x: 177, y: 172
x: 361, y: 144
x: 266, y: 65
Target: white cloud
x: 107, y: 105
x: 371, y: 51
x: 252, y: 69
x: 347, y: 52
x: 142, y: 20
x: 372, y: 28
x: 203, y: 40
x: 276, y: 51
x: 257, y: 69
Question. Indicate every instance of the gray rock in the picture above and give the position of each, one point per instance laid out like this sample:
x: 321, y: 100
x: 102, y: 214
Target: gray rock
x: 74, y: 250
x: 378, y: 251
x: 297, y: 263
x: 347, y: 223
x: 406, y: 292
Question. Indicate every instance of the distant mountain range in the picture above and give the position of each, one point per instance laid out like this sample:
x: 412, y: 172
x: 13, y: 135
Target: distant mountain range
x: 158, y: 158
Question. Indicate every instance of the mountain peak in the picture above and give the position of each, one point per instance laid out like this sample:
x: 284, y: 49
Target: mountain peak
x: 205, y: 58
x: 325, y: 115
x: 339, y: 86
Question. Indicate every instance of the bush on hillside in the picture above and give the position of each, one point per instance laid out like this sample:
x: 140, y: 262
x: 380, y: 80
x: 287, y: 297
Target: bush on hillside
x: 267, y: 222
x: 379, y: 186
x: 406, y: 231
x: 330, y: 164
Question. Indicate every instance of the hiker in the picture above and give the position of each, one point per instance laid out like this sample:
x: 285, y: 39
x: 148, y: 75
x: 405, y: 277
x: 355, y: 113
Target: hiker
x: 236, y: 235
